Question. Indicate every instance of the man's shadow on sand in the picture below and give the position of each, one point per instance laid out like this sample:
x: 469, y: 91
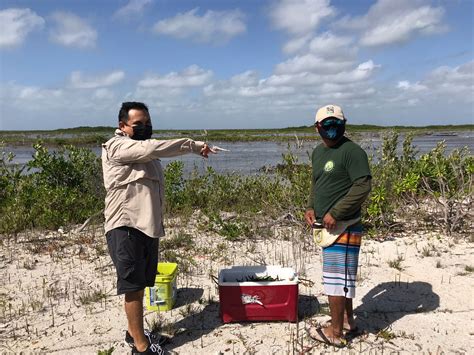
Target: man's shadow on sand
x: 308, y: 306
x: 389, y: 301
x: 194, y: 324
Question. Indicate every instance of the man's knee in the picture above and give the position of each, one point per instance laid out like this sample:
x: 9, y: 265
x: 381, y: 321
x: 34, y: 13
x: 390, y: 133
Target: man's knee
x: 134, y: 296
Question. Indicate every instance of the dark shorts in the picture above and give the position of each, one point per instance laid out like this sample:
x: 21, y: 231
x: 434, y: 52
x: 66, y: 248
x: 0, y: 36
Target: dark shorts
x: 135, y: 256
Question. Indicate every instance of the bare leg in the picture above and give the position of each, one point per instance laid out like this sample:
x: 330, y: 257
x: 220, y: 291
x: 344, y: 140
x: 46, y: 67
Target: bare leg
x: 337, y: 306
x: 349, y: 321
x: 134, y: 311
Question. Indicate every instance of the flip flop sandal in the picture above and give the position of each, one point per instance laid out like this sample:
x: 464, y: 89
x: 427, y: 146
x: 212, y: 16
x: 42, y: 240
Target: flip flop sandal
x: 344, y: 329
x: 318, y: 334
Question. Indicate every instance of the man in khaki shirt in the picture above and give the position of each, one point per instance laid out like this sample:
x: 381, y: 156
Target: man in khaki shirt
x: 134, y: 182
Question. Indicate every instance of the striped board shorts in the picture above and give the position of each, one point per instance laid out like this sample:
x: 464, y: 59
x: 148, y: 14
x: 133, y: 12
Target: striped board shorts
x: 340, y: 262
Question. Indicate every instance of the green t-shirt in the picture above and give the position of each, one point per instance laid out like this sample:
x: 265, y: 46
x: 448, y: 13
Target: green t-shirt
x: 334, y: 171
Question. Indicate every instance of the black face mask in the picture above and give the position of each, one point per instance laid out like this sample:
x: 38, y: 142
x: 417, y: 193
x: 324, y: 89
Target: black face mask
x: 142, y: 132
x: 332, y: 130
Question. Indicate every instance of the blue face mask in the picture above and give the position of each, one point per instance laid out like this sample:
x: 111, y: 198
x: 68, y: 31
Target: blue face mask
x: 332, y: 129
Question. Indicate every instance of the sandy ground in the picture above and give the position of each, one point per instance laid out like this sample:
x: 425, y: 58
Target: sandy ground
x: 57, y: 295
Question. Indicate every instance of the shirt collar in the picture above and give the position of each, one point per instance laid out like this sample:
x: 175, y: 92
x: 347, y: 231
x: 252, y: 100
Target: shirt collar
x: 119, y: 133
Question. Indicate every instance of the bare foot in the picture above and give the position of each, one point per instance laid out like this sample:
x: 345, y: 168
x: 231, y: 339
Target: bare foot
x: 327, y: 336
x: 346, y: 326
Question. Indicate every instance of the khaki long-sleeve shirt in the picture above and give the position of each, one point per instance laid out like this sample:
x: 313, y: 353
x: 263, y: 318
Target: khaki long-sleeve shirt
x: 134, y: 180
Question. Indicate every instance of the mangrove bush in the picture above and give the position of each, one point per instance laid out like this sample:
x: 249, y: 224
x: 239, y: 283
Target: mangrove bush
x: 64, y: 186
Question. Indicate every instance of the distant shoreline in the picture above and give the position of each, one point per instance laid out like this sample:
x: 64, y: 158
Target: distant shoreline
x: 93, y: 136
x: 356, y: 127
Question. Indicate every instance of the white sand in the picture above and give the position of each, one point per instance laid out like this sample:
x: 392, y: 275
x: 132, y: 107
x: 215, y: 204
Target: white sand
x: 426, y: 307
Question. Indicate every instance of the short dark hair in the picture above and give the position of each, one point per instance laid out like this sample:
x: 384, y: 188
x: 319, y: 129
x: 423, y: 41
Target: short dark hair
x: 132, y: 105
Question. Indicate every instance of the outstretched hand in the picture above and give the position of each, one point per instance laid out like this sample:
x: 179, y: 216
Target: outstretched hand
x: 206, y: 150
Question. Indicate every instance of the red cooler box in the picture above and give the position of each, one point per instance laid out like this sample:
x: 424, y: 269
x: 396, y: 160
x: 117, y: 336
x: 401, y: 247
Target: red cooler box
x: 256, y: 293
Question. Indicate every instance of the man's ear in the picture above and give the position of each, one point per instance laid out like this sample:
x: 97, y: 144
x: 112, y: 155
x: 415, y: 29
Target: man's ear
x: 121, y: 124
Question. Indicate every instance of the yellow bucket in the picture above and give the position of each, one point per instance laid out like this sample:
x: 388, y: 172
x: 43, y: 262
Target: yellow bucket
x: 162, y: 296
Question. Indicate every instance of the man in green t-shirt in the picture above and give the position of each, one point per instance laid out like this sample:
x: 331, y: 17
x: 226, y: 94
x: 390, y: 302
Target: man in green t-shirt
x: 341, y: 182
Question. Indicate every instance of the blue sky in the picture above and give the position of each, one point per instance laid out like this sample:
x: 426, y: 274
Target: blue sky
x: 235, y: 64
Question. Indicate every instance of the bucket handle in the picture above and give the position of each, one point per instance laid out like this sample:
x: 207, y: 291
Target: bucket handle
x: 306, y: 282
x: 215, y: 279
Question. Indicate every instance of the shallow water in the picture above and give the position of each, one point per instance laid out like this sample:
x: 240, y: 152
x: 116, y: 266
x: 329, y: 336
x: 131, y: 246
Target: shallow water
x: 250, y: 157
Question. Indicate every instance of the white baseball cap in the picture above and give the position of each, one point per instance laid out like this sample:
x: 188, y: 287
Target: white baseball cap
x: 329, y: 111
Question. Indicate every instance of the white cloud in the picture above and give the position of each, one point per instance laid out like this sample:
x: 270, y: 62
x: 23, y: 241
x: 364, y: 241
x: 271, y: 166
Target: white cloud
x: 329, y: 45
x: 133, y: 8
x: 263, y: 90
x: 213, y: 26
x: 389, y: 22
x: 403, y: 84
x: 296, y: 44
x: 245, y: 85
x: 461, y: 75
x: 457, y: 81
x: 313, y: 64
x: 16, y: 24
x: 406, y: 85
x: 440, y: 89
x: 162, y: 94
x: 222, y: 88
x: 355, y: 94
x: 248, y: 78
x: 37, y: 93
x: 326, y: 53
x: 233, y: 90
x: 103, y: 94
x: 72, y: 31
x: 79, y: 81
x: 295, y: 88
x: 300, y: 17
x: 413, y: 102
x: 192, y: 76
x: 30, y: 98
x: 30, y: 102
x: 362, y: 72
x: 278, y: 105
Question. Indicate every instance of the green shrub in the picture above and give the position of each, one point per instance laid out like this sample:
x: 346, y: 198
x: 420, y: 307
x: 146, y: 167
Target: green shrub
x: 436, y: 177
x: 176, y: 196
x: 55, y: 188
x: 213, y: 192
x: 64, y: 186
x: 298, y: 177
x: 231, y: 230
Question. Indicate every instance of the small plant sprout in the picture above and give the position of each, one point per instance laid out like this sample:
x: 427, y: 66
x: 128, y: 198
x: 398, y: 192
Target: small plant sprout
x: 426, y: 251
x: 386, y: 334
x: 396, y: 263
x: 109, y: 351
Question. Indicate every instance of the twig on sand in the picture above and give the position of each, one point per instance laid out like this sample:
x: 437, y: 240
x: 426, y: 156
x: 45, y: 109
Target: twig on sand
x: 88, y: 220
